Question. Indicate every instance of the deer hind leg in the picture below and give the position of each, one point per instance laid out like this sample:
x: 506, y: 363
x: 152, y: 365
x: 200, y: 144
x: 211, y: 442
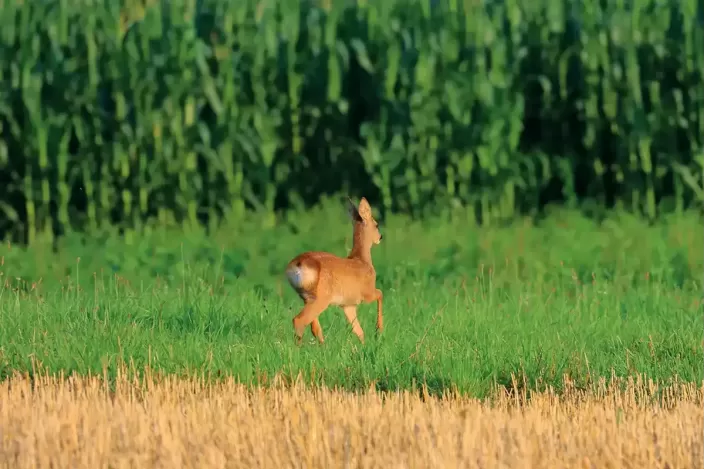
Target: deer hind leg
x: 317, y: 331
x: 308, y: 315
x: 351, y: 316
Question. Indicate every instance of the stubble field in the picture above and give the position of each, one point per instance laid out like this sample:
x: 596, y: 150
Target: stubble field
x: 544, y: 324
x: 81, y: 423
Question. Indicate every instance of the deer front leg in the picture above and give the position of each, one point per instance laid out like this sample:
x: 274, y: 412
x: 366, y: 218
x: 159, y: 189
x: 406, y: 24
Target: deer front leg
x: 376, y: 295
x: 351, y: 316
x: 379, y: 310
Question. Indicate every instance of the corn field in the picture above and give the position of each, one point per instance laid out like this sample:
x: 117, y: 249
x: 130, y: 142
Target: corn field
x: 185, y: 112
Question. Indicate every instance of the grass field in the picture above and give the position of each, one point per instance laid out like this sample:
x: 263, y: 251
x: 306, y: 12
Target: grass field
x: 80, y: 423
x: 466, y: 308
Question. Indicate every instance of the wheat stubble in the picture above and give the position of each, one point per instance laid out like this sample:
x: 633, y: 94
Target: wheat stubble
x: 178, y: 423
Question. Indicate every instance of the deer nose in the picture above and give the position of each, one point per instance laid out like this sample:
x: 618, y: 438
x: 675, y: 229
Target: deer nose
x: 380, y: 236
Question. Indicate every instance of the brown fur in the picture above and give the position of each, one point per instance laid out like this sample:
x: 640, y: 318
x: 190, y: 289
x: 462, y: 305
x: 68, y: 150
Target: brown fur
x: 322, y: 279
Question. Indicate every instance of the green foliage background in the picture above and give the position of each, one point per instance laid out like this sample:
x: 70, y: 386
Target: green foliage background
x: 187, y: 112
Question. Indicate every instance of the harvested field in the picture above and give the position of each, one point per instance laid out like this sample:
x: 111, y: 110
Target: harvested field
x: 175, y: 422
x: 467, y: 310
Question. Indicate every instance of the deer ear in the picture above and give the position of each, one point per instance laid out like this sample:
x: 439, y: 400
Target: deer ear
x: 364, y: 209
x: 352, y: 211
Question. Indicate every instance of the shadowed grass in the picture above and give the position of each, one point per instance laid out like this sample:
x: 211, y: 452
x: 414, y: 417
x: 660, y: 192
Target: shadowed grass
x: 465, y: 307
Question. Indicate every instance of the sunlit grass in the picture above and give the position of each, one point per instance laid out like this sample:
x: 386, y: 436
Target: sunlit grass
x: 465, y: 307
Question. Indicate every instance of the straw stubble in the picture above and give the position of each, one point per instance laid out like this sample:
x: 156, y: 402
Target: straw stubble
x: 171, y: 422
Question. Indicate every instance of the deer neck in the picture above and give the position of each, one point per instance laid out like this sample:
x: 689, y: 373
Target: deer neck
x: 362, y: 246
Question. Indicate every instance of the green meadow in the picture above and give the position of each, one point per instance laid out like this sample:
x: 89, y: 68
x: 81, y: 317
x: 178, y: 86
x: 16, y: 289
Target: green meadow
x: 466, y: 307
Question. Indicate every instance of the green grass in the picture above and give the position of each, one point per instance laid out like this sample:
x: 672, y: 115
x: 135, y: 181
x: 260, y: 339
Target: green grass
x: 464, y: 306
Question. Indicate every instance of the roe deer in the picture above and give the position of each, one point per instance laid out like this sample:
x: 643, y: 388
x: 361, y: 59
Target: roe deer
x: 322, y: 279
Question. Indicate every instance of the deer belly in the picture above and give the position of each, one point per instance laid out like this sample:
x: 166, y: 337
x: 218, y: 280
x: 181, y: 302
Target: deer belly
x: 345, y: 300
